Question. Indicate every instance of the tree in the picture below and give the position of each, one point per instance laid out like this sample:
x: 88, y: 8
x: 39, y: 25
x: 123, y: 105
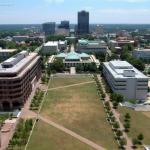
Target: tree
x: 127, y: 126
x: 58, y: 65
x: 127, y: 117
x: 119, y: 133
x: 116, y: 125
x: 140, y: 138
x: 123, y: 142
x: 135, y: 142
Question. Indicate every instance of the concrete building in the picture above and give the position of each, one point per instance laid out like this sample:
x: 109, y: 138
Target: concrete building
x: 20, y: 38
x: 142, y: 53
x: 121, y: 43
x: 49, y: 28
x: 124, y: 79
x: 73, y: 59
x: 86, y: 46
x: 18, y: 76
x: 83, y: 23
x: 6, y: 53
x: 52, y: 47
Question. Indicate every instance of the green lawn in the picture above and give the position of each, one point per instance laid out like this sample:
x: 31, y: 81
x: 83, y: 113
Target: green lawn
x: 46, y: 137
x: 140, y: 123
x: 64, y: 81
x: 79, y: 109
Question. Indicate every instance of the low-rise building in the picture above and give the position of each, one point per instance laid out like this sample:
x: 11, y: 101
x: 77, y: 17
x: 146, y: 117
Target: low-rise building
x: 121, y: 43
x: 142, y: 53
x: 52, y: 47
x: 20, y: 38
x: 124, y: 79
x: 89, y: 46
x: 73, y: 59
x: 6, y: 53
x: 18, y: 76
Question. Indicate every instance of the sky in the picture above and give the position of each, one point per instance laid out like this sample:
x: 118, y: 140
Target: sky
x: 101, y: 11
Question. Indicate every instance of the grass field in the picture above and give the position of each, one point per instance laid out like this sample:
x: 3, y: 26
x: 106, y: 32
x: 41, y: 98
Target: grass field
x: 79, y: 109
x: 69, y: 80
x: 46, y: 137
x: 140, y: 123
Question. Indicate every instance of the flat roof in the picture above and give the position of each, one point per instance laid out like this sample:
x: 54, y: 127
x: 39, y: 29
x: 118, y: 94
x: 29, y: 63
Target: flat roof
x: 142, y: 50
x: 119, y: 68
x: 51, y: 43
x: 17, y: 65
x: 7, y: 50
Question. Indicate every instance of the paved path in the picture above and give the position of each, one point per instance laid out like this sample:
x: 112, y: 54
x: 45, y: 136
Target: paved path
x: 117, y: 116
x: 72, y: 48
x: 51, y: 123
x: 73, y: 134
x: 72, y: 85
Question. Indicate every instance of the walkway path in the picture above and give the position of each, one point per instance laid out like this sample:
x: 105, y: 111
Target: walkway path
x: 51, y: 123
x: 117, y: 116
x: 72, y: 85
x: 73, y: 134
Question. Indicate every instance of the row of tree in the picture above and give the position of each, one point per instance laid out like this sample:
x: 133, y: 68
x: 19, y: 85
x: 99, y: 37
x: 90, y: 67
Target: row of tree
x: 21, y: 134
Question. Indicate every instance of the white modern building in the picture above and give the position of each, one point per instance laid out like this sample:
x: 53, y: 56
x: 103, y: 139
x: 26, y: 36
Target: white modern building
x: 124, y: 79
x: 6, y: 53
x: 142, y: 53
x: 87, y: 46
x: 73, y: 59
x: 53, y: 47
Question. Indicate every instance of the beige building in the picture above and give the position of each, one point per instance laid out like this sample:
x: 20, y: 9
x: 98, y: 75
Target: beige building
x: 18, y: 76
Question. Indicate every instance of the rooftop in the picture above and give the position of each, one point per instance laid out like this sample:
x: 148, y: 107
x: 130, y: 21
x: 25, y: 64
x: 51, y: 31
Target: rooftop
x: 16, y: 63
x: 51, y: 43
x: 72, y: 56
x: 7, y: 50
x: 144, y: 50
x: 122, y: 69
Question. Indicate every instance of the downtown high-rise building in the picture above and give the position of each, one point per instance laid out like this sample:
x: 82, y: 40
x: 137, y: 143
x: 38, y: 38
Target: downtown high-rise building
x: 83, y: 23
x: 64, y: 24
x: 49, y: 28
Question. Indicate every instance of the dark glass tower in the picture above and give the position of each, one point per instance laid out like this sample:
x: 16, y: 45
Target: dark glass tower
x: 64, y: 24
x: 49, y: 28
x: 83, y: 23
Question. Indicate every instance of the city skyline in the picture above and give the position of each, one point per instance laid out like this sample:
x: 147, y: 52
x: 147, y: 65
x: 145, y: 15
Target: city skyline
x: 101, y: 11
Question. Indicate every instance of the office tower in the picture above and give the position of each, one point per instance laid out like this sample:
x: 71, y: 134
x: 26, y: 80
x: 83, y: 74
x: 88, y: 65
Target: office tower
x: 64, y: 24
x: 49, y: 28
x: 18, y: 77
x: 83, y: 23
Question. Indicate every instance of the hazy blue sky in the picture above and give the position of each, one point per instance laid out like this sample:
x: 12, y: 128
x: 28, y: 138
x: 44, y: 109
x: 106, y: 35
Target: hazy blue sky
x: 101, y: 11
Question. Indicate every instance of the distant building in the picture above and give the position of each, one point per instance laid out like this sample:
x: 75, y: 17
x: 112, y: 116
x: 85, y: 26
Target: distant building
x: 52, y: 47
x: 73, y: 59
x: 6, y: 53
x: 49, y: 28
x: 20, y: 38
x: 64, y: 25
x: 123, y: 33
x: 124, y: 79
x: 142, y: 53
x: 89, y: 46
x: 18, y: 76
x: 83, y: 23
x: 62, y: 31
x: 121, y: 43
